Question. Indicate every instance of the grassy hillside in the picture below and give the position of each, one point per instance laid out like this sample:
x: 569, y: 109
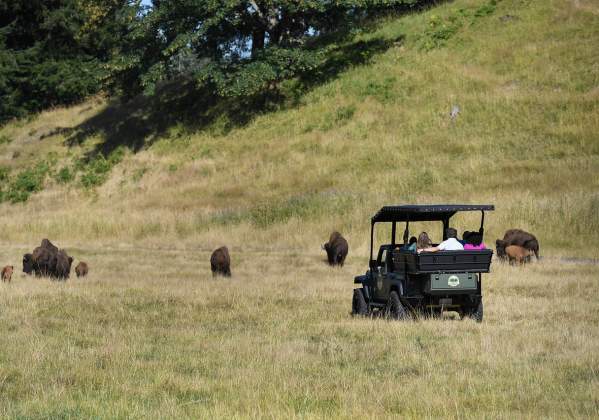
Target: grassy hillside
x: 143, y: 191
x: 524, y: 76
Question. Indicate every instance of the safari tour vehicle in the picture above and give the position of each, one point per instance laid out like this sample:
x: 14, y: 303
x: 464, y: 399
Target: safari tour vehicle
x: 402, y: 283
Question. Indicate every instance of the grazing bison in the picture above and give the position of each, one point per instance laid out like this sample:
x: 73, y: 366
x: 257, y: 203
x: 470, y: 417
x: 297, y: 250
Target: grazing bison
x: 48, y: 260
x: 220, y: 262
x: 7, y: 273
x: 336, y: 249
x: 517, y: 254
x: 517, y: 237
x: 82, y: 269
x: 28, y: 263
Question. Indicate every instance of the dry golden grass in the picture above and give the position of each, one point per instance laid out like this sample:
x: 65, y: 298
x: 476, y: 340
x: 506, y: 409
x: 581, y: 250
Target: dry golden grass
x: 150, y: 334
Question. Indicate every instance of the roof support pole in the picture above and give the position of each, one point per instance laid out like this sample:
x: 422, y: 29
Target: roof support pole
x: 393, y: 231
x: 406, y: 232
x: 482, y: 223
x: 371, y: 239
x: 445, y: 226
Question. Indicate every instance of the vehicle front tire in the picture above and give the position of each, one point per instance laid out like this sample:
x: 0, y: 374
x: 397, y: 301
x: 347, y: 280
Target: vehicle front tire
x: 359, y: 307
x: 395, y: 308
x: 477, y: 313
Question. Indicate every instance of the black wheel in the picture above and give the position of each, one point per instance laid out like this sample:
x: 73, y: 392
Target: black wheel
x: 359, y: 306
x: 477, y: 313
x: 395, y: 308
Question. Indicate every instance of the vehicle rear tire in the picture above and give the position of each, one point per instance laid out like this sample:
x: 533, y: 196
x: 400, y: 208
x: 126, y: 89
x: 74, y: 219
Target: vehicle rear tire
x: 359, y: 307
x: 477, y: 313
x: 395, y: 308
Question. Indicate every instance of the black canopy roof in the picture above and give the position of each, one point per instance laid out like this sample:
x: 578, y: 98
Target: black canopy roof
x: 425, y: 213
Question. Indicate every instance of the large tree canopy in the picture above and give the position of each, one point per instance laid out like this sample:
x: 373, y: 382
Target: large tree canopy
x: 55, y: 52
x: 237, y: 47
x: 52, y: 51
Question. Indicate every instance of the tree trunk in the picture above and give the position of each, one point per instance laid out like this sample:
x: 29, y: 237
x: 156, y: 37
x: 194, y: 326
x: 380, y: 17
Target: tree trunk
x: 257, y: 40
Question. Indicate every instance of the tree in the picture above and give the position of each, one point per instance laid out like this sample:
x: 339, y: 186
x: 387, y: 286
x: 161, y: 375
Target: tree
x: 53, y: 52
x: 234, y: 47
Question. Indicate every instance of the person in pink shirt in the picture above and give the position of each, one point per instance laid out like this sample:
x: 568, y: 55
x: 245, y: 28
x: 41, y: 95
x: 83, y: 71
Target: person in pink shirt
x: 479, y: 247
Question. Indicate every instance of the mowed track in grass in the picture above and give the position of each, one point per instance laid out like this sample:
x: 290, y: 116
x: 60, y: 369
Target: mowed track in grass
x: 152, y: 334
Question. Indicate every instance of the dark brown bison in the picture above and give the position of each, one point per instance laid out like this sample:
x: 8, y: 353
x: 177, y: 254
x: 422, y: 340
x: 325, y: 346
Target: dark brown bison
x: 7, y: 273
x: 517, y: 237
x: 517, y: 254
x: 220, y: 262
x: 336, y: 249
x: 82, y: 269
x: 28, y: 263
x: 47, y: 260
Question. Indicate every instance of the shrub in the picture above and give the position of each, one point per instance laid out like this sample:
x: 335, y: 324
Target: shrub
x: 96, y: 171
x: 65, y: 175
x: 4, y: 174
x: 27, y: 182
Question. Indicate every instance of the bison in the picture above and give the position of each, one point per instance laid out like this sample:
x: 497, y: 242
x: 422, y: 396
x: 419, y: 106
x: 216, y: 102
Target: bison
x: 517, y: 237
x: 517, y: 254
x: 336, y: 249
x: 28, y: 263
x: 48, y: 260
x: 82, y: 269
x: 220, y: 262
x: 7, y: 273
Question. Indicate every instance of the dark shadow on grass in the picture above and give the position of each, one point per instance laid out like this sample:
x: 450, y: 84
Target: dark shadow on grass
x: 137, y: 123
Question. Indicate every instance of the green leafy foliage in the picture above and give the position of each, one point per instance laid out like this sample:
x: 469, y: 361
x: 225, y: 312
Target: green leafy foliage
x: 64, y: 175
x: 97, y: 170
x: 24, y: 184
x: 52, y: 52
x: 237, y: 48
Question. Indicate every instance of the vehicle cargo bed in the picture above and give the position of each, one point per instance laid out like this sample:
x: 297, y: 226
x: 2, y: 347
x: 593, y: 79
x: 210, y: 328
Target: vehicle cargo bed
x: 446, y: 261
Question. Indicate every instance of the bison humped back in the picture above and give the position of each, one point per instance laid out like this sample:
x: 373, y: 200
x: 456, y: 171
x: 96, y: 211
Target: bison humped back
x: 220, y: 262
x: 336, y: 249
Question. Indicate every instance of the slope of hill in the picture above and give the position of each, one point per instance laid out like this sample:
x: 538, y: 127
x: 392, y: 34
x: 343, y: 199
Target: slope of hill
x: 375, y: 129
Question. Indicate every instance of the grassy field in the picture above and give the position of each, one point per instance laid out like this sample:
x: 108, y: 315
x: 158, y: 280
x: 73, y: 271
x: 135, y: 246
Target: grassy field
x: 150, y: 334
x: 141, y: 340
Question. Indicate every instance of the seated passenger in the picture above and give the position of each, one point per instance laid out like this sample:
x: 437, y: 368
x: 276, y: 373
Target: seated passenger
x: 450, y: 244
x: 471, y: 247
x: 411, y: 246
x: 423, y: 242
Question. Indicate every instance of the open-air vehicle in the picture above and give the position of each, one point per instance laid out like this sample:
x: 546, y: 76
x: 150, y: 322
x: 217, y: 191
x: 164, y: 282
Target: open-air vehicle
x: 401, y: 283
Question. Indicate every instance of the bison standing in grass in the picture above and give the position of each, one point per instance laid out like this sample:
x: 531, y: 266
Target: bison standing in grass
x: 7, y: 273
x: 82, y: 269
x: 336, y: 249
x: 220, y: 262
x: 517, y: 254
x: 48, y: 261
x: 517, y: 237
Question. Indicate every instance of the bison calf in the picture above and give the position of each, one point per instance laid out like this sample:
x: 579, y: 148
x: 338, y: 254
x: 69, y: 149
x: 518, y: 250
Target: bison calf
x: 7, y: 273
x: 82, y: 269
x: 336, y: 249
x: 517, y: 237
x: 220, y: 262
x: 517, y: 254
